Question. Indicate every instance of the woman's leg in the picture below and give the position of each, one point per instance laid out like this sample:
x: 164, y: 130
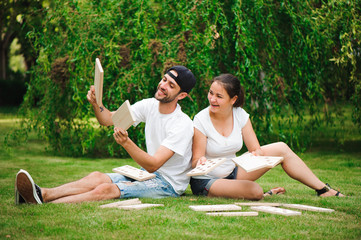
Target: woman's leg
x: 254, y: 175
x: 240, y: 189
x: 295, y: 167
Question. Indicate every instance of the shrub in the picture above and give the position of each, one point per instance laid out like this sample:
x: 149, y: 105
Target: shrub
x: 289, y: 55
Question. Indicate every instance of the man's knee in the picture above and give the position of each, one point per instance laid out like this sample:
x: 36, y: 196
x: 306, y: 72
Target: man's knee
x: 99, y: 177
x: 106, y: 191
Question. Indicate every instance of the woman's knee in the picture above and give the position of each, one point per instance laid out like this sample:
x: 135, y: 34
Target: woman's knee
x: 283, y: 146
x: 278, y: 149
x: 256, y: 192
x: 252, y: 191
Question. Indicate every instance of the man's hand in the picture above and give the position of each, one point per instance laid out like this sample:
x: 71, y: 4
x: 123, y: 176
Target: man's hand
x: 91, y: 96
x: 120, y: 136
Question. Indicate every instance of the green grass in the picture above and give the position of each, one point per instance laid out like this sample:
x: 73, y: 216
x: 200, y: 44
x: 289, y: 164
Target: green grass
x: 340, y: 168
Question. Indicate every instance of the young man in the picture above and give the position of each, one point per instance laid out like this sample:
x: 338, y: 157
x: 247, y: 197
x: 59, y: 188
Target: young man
x: 168, y: 133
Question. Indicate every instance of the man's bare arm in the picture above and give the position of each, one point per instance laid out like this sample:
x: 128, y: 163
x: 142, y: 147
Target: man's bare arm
x: 103, y: 115
x: 148, y: 162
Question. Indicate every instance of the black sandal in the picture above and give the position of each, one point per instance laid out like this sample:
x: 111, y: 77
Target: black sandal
x: 326, y: 189
x: 271, y: 193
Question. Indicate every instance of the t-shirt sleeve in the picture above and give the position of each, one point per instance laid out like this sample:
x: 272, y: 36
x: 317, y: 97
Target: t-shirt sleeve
x: 179, y: 136
x: 242, y: 116
x: 198, y: 123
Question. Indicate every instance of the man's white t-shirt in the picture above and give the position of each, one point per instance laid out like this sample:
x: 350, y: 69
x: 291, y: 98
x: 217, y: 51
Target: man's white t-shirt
x: 219, y: 146
x: 173, y: 131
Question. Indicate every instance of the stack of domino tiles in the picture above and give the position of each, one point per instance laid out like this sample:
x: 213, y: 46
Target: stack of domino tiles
x: 275, y: 208
x: 308, y: 208
x: 222, y: 210
x: 131, y: 204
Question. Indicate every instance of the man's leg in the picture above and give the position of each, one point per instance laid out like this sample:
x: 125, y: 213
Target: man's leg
x: 103, y: 191
x: 78, y: 187
x: 95, y: 186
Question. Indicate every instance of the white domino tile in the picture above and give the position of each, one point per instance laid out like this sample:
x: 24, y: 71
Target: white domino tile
x: 231, y: 214
x: 215, y: 208
x: 275, y: 210
x: 250, y: 162
x: 308, y: 208
x: 205, y: 168
x: 98, y: 82
x: 258, y: 204
x: 122, y: 203
x: 134, y: 173
x: 140, y: 206
x: 123, y: 118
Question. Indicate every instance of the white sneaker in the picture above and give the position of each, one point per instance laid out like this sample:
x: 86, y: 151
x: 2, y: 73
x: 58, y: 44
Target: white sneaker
x: 18, y: 198
x: 27, y: 189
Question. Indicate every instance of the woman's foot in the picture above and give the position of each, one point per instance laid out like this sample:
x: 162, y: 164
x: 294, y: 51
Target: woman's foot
x: 276, y: 190
x: 327, y: 191
x: 332, y: 193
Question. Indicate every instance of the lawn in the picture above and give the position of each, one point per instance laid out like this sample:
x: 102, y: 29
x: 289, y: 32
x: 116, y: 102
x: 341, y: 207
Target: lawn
x: 338, y: 166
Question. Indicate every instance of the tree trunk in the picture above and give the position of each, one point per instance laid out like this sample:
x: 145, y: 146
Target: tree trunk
x: 4, y: 53
x: 2, y: 63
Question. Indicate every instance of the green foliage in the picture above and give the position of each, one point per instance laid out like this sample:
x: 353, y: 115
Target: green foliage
x: 290, y: 56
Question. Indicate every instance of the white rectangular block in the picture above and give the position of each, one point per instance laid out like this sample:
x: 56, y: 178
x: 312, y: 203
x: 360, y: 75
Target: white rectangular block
x: 98, y: 81
x: 123, y: 118
x: 250, y: 162
x: 308, y: 208
x: 209, y: 165
x: 275, y: 210
x: 215, y: 208
x: 134, y: 173
x: 140, y: 206
x: 230, y: 214
x: 122, y: 203
x: 258, y: 204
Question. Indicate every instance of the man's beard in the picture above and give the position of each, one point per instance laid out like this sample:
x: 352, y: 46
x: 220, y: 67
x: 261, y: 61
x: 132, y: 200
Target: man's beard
x: 166, y: 99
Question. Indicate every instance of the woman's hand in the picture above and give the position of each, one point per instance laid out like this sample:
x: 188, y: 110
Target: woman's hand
x: 201, y: 161
x: 257, y: 152
x: 120, y: 136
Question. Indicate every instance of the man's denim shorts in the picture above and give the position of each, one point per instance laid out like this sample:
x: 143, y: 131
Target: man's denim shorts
x: 156, y: 187
x: 202, y: 186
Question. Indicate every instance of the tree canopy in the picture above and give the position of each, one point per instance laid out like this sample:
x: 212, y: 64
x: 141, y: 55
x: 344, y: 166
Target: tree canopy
x: 290, y: 56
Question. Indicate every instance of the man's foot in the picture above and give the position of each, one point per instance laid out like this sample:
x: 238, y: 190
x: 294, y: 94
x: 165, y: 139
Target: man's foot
x: 327, y: 191
x: 276, y: 190
x: 27, y: 189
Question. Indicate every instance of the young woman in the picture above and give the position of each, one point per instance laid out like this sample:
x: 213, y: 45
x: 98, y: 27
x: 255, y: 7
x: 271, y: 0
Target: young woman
x: 219, y: 132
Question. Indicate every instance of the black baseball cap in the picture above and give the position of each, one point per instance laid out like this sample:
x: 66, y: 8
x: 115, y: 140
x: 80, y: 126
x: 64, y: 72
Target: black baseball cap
x: 185, y: 79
